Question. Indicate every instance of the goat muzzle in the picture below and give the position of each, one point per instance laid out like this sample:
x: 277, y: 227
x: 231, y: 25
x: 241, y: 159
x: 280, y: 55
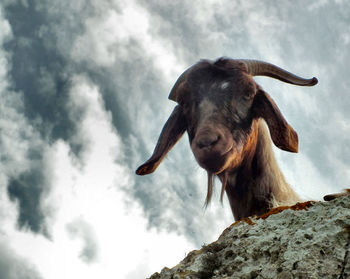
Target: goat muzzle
x: 212, y: 149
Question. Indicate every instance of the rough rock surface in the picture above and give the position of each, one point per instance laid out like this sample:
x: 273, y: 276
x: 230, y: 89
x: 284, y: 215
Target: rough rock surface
x: 312, y: 240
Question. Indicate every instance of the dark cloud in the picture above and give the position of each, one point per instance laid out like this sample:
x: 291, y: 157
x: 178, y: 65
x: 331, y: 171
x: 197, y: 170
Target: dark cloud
x: 27, y: 190
x: 38, y: 71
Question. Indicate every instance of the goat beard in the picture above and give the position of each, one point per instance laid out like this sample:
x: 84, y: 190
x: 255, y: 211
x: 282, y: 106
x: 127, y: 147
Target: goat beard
x: 210, y: 186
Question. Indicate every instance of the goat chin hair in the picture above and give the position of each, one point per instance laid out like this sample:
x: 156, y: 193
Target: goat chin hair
x: 211, y: 178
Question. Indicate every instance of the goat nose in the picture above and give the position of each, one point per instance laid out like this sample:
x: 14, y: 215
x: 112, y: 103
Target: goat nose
x: 207, y: 141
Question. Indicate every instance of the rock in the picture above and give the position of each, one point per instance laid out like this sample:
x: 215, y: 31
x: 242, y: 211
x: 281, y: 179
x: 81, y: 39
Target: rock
x: 308, y: 240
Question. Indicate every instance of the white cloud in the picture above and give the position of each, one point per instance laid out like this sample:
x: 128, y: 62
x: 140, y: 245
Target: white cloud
x: 92, y: 191
x: 109, y: 36
x: 303, y: 176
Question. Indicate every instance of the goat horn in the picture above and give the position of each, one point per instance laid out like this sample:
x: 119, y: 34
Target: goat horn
x: 260, y: 68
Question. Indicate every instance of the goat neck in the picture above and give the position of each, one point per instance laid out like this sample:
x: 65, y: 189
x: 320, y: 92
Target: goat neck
x: 258, y: 184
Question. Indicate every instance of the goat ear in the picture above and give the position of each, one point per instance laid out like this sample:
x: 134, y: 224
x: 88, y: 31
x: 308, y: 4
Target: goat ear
x: 283, y: 135
x: 171, y: 133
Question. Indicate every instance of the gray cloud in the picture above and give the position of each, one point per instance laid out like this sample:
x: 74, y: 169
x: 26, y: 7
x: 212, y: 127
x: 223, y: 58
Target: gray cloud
x: 38, y: 72
x: 13, y: 266
x: 80, y: 229
x: 27, y: 189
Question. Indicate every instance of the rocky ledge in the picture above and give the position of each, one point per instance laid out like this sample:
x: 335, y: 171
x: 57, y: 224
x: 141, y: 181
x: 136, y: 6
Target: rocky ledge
x: 308, y: 240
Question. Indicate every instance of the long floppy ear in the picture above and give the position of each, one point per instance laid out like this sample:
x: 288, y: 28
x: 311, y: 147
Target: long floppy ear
x: 171, y: 133
x: 283, y: 135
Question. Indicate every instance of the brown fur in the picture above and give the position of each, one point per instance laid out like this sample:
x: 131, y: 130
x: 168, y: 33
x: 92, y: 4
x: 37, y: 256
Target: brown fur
x: 258, y: 185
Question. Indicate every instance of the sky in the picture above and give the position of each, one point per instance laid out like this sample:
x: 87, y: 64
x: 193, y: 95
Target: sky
x: 83, y: 98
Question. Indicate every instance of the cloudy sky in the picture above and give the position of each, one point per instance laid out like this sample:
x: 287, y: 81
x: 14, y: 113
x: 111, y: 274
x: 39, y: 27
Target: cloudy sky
x: 83, y: 97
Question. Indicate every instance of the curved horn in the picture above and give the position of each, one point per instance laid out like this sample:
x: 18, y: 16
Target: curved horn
x: 260, y: 68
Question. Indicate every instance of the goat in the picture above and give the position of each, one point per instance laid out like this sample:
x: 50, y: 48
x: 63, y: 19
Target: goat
x: 225, y: 113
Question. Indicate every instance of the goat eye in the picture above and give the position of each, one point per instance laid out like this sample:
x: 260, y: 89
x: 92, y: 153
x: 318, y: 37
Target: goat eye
x: 248, y: 95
